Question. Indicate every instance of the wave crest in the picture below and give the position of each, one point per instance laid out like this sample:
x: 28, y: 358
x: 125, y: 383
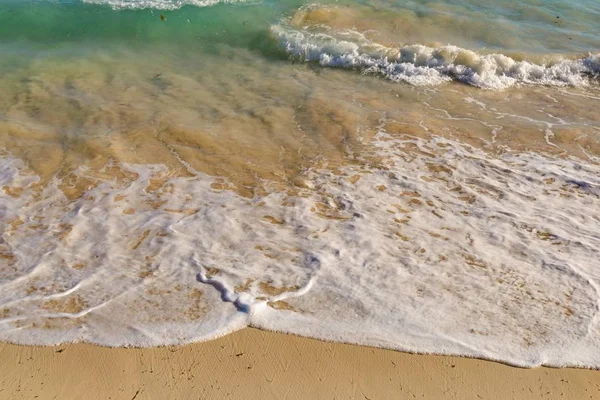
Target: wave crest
x: 157, y: 4
x: 427, y: 66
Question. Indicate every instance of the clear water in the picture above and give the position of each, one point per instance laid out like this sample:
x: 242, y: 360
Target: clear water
x: 420, y: 175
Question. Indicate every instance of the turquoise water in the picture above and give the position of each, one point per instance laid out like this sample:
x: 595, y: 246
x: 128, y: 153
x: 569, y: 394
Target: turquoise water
x: 539, y: 31
x: 529, y: 26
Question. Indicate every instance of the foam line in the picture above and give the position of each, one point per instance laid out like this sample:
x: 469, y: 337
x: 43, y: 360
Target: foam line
x: 427, y: 66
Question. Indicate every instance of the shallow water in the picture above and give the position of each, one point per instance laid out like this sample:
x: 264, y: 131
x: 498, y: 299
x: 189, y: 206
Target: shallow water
x: 415, y: 175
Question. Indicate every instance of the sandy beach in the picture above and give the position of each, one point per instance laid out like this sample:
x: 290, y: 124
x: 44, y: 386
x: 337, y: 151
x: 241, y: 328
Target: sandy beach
x: 416, y: 175
x: 254, y: 364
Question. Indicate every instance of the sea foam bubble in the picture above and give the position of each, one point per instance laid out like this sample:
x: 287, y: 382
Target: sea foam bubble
x: 438, y: 248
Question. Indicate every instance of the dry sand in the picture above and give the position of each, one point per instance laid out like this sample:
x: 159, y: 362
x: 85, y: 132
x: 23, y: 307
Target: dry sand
x: 253, y: 364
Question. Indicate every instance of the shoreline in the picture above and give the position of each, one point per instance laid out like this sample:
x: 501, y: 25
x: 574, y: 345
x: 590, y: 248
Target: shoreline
x: 253, y: 363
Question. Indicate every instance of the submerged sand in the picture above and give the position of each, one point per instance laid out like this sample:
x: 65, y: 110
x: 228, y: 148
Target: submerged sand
x: 255, y: 364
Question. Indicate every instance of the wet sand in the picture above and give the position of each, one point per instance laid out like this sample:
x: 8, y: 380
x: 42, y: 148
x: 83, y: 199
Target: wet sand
x: 254, y: 364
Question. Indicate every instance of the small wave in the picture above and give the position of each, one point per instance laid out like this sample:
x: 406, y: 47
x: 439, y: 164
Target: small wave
x: 427, y: 66
x: 157, y: 4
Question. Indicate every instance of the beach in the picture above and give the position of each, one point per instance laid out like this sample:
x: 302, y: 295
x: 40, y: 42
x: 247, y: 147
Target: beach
x: 407, y: 177
x: 264, y: 365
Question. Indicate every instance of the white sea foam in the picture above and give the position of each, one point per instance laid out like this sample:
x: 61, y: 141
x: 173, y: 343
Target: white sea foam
x: 425, y: 66
x: 158, y: 4
x: 442, y: 249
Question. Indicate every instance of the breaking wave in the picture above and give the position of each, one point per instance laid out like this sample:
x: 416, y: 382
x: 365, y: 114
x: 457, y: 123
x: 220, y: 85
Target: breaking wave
x: 428, y: 66
x: 158, y: 4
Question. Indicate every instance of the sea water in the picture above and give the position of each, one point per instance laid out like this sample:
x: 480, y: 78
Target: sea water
x: 415, y: 175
